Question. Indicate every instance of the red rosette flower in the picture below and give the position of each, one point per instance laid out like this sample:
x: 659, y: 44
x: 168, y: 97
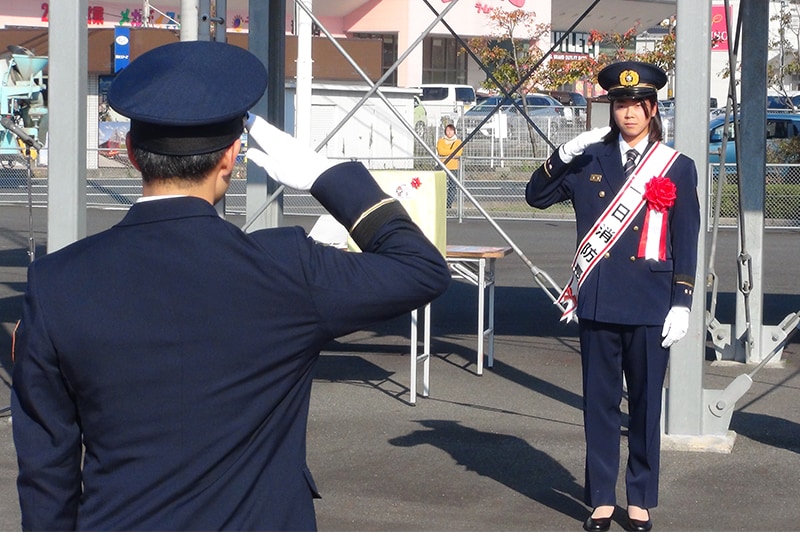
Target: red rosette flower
x: 660, y: 193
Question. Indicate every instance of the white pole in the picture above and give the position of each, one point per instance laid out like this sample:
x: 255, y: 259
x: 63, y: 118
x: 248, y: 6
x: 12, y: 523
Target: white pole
x: 190, y: 14
x: 68, y: 87
x: 302, y: 113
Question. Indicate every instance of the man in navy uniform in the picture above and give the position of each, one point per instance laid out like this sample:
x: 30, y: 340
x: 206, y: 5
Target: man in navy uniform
x: 638, y: 219
x: 164, y: 366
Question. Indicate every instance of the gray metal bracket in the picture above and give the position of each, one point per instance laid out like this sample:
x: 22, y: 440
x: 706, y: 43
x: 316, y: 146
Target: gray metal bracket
x: 775, y: 338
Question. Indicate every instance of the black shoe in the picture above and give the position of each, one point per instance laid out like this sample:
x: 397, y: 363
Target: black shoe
x: 597, y: 524
x: 640, y: 525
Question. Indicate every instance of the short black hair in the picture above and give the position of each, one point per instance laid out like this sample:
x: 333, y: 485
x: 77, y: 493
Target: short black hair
x: 190, y: 168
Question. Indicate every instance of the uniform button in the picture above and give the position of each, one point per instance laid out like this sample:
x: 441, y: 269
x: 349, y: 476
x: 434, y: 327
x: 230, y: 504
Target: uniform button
x: 608, y: 254
x: 601, y: 194
x: 636, y: 228
x: 633, y: 258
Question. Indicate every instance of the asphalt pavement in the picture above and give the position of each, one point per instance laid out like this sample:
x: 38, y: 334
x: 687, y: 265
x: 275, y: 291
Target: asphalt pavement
x: 502, y: 451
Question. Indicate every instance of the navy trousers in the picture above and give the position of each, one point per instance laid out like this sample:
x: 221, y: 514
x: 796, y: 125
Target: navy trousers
x: 608, y: 351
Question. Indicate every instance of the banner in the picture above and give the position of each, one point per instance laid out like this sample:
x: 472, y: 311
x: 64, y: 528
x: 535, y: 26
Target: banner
x: 719, y: 29
x: 122, y: 47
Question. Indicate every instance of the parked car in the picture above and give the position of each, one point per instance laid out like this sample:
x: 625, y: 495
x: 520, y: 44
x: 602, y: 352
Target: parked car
x: 485, y: 106
x: 478, y: 112
x: 783, y: 102
x: 666, y: 108
x: 779, y: 126
x: 445, y: 101
x: 574, y: 105
x: 540, y: 106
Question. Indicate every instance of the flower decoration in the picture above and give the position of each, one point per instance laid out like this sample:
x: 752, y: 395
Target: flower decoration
x: 660, y: 193
x: 416, y: 183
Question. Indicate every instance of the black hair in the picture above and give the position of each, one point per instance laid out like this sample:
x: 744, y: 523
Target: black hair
x: 190, y: 168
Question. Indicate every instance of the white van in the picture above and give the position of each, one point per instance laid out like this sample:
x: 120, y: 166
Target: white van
x: 444, y: 102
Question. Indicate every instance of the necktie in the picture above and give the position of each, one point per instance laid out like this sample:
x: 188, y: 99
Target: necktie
x: 630, y: 163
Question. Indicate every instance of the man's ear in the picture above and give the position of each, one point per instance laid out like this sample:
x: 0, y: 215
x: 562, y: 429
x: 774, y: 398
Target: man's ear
x: 229, y: 159
x: 129, y: 147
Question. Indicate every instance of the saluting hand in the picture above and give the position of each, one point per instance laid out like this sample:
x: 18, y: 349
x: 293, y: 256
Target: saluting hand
x: 284, y: 158
x: 575, y: 147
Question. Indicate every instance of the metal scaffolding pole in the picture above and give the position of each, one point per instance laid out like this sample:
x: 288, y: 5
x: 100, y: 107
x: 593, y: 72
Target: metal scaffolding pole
x: 266, y: 40
x: 67, y: 90
x: 190, y: 14
x: 749, y: 331
x: 683, y: 410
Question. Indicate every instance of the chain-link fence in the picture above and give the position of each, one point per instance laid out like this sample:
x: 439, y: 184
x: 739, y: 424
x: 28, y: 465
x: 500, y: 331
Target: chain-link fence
x: 781, y: 199
x: 494, y: 169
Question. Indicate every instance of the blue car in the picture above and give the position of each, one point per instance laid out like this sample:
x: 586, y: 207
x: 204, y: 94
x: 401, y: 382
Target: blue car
x: 779, y: 126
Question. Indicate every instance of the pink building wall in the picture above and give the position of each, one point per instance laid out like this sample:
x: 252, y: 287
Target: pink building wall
x: 405, y: 18
x: 409, y: 18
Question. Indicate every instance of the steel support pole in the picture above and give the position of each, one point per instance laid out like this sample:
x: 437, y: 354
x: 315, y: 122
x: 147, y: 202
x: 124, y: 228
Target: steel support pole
x: 203, y: 26
x: 267, y: 41
x: 684, y: 405
x: 221, y: 21
x: 67, y: 90
x: 753, y: 120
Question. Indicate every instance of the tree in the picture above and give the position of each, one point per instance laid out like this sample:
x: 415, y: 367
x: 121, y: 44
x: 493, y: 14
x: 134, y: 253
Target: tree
x: 614, y: 47
x: 787, y: 43
x: 512, y: 50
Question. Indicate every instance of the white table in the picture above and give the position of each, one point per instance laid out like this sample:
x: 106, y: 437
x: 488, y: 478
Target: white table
x: 474, y: 264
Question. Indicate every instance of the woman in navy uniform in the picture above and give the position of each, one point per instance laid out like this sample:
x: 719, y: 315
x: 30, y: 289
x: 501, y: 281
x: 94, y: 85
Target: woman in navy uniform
x: 164, y: 366
x: 638, y: 220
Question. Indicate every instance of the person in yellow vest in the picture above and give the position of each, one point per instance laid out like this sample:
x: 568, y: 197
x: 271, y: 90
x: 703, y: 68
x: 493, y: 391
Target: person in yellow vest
x: 444, y: 147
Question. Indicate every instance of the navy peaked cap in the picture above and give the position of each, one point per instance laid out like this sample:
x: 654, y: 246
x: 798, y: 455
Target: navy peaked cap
x: 631, y: 79
x: 188, y: 97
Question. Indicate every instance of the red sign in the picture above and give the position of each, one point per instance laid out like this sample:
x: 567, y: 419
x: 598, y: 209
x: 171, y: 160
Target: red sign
x: 719, y: 29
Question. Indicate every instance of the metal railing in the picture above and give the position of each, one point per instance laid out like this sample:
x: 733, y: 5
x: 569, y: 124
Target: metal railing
x: 495, y: 171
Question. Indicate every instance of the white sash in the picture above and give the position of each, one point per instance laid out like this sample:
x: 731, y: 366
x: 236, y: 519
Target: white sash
x: 613, y: 222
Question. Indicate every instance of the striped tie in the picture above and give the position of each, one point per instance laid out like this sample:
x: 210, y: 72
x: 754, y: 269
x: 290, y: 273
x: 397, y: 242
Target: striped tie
x: 630, y: 164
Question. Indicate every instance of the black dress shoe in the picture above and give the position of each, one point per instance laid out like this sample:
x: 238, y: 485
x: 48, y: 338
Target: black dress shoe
x: 597, y: 524
x: 640, y: 525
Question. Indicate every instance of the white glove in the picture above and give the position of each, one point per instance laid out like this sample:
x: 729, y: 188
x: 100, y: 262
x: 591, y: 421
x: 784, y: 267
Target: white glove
x: 575, y: 147
x: 675, y: 326
x: 284, y: 158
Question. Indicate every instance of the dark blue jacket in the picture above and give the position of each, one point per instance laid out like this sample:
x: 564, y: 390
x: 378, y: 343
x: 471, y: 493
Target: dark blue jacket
x: 180, y: 351
x: 622, y: 288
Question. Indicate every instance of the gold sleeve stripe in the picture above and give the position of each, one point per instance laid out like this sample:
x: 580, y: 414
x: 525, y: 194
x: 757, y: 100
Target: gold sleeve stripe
x: 369, y: 211
x: 547, y: 165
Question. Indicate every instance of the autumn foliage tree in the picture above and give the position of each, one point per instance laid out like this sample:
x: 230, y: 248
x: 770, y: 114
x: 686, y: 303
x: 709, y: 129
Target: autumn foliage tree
x: 514, y: 51
x: 515, y: 46
x: 511, y: 49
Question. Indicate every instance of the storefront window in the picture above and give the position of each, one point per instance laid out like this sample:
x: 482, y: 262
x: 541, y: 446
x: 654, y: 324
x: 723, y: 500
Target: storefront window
x: 389, y: 53
x: 442, y: 62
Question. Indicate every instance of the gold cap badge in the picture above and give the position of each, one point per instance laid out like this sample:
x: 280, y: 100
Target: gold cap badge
x: 629, y: 78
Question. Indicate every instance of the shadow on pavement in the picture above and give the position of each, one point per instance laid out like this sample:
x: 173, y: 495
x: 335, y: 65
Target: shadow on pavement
x: 507, y: 459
